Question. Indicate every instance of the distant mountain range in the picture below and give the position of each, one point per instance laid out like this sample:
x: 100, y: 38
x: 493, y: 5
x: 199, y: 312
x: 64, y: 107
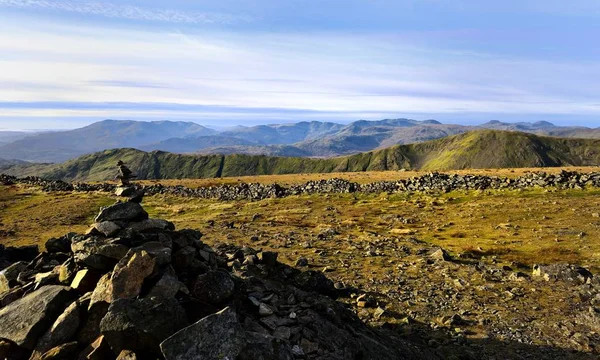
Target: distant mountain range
x: 475, y: 149
x: 306, y: 139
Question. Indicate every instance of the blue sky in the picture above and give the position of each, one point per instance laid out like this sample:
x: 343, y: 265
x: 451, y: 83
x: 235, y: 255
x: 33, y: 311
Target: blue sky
x: 67, y: 63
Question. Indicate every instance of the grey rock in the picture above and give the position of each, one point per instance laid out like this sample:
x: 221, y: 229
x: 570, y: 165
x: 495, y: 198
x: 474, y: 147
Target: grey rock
x: 62, y: 330
x: 214, y: 287
x: 142, y: 324
x: 26, y: 319
x: 9, y: 275
x: 440, y: 254
x: 160, y: 252
x: 218, y: 336
x: 124, y: 191
x: 149, y: 225
x: 168, y: 286
x: 122, y: 211
x: 96, y: 252
x: 107, y: 228
x: 58, y: 245
x: 129, y: 274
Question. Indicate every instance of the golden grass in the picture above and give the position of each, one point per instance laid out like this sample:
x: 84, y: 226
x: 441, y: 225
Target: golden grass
x: 530, y: 226
x: 359, y: 177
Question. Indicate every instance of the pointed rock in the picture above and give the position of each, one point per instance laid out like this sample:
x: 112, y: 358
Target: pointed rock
x: 129, y: 274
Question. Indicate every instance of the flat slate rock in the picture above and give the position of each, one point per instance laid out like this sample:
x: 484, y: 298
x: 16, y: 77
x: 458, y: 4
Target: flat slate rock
x: 26, y: 319
x: 215, y: 337
x: 122, y: 211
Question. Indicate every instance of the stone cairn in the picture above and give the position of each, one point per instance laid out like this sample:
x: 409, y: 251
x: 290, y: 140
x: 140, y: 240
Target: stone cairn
x: 133, y: 287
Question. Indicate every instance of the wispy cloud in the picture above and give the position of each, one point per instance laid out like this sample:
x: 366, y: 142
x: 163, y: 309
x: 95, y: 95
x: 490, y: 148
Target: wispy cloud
x: 128, y: 12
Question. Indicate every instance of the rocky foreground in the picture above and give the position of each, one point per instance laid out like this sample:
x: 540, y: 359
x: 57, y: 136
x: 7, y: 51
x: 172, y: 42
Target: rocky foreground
x: 135, y: 288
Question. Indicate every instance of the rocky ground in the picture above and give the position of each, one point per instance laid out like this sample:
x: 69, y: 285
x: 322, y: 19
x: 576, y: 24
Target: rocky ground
x: 291, y: 291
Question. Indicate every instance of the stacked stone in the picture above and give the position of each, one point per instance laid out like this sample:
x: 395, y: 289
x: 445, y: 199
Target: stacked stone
x: 433, y: 182
x: 133, y: 287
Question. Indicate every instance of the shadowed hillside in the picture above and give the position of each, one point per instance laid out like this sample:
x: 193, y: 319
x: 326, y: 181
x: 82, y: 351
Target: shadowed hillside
x: 477, y: 149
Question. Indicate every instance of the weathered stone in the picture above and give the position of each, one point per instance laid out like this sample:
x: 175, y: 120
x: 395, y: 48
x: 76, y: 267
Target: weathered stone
x: 149, y: 225
x: 127, y: 355
x: 26, y: 319
x: 67, y: 271
x: 11, y: 296
x: 269, y: 258
x: 264, y: 310
x: 122, y: 211
x: 141, y: 325
x: 301, y: 262
x: 97, y: 253
x: 160, y: 253
x: 129, y: 274
x: 168, y: 286
x: 217, y: 336
x: 124, y: 191
x: 61, y: 352
x: 562, y: 272
x: 107, y: 228
x: 9, y: 275
x: 183, y: 258
x: 214, y: 287
x: 315, y: 281
x: 58, y: 245
x: 98, y: 350
x: 62, y: 330
x: 103, y: 291
x: 262, y: 346
x: 47, y: 278
x: 85, y: 280
x: 440, y: 254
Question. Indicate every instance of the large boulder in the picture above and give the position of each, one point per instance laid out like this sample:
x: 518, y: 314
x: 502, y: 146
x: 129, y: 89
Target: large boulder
x: 141, y: 325
x: 97, y: 253
x: 63, y: 330
x: 122, y: 211
x: 129, y: 274
x: 59, y: 245
x: 217, y: 336
x: 26, y: 319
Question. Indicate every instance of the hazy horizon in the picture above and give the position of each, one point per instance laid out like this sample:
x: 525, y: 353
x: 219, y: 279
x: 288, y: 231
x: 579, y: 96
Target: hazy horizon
x: 69, y: 63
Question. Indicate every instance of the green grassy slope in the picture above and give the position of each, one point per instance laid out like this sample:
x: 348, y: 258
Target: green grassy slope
x: 477, y: 149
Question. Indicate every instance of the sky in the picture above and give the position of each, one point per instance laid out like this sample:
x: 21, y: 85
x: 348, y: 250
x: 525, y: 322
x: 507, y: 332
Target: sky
x: 67, y: 63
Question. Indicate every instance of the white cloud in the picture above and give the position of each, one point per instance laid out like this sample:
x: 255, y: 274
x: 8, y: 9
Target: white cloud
x: 129, y: 12
x: 349, y: 75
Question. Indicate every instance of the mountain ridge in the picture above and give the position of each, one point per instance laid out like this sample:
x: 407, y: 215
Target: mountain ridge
x: 475, y: 149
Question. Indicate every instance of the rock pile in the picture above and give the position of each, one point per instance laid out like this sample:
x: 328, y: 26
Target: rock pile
x: 134, y: 287
x: 253, y: 191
